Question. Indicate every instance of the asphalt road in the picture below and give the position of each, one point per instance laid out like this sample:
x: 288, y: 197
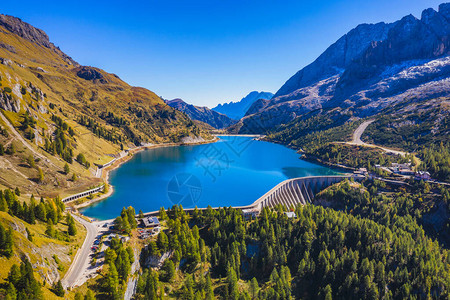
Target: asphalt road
x: 359, y: 131
x: 357, y: 139
x: 81, y: 260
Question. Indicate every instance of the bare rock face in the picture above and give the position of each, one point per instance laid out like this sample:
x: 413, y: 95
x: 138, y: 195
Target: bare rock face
x: 366, y: 70
x: 8, y: 47
x: 32, y: 34
x: 25, y: 30
x: 91, y: 74
x: 337, y: 57
x: 8, y: 103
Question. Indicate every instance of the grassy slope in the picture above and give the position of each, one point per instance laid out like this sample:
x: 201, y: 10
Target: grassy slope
x: 40, y: 252
x: 148, y: 117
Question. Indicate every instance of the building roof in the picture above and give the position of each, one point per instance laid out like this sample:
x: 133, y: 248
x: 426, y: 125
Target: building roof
x: 151, y: 221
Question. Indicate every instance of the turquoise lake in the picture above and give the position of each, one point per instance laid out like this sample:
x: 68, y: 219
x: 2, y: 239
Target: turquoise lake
x: 234, y: 171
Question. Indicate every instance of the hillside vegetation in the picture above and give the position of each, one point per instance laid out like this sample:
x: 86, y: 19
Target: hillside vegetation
x: 63, y: 110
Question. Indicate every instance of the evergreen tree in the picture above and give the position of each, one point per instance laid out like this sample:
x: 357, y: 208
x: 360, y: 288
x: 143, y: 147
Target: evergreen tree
x: 112, y: 281
x: 29, y: 235
x: 8, y: 243
x: 31, y: 162
x: 89, y: 295
x: 58, y: 289
x: 78, y: 296
x: 66, y: 169
x: 254, y: 287
x: 50, y: 230
x: 169, y: 269
x: 72, y: 228
x: 40, y: 175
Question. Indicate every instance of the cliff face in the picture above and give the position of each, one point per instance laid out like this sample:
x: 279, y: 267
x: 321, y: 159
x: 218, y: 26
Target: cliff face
x: 366, y: 70
x: 203, y: 114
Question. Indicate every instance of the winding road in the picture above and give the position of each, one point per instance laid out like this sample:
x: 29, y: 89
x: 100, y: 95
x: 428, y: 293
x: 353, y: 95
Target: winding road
x: 357, y: 139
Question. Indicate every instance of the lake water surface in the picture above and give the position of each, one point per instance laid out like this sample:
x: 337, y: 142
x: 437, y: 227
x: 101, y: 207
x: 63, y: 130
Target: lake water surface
x: 234, y: 171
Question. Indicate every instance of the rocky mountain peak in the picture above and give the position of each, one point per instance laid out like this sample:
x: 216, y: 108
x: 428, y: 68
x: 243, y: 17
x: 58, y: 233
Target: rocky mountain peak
x: 25, y: 30
x: 32, y: 34
x: 436, y: 21
x: 444, y: 10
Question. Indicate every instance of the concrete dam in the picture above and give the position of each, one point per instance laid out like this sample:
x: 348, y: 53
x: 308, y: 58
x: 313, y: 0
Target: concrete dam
x: 296, y: 191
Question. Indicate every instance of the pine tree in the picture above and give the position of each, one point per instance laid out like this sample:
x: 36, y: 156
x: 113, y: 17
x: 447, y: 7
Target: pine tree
x: 50, y: 231
x: 31, y: 162
x: 29, y: 235
x: 3, y: 204
x: 89, y: 295
x: 40, y: 175
x: 59, y: 289
x: 11, y: 292
x: 8, y: 248
x: 41, y: 212
x: 112, y: 280
x: 162, y: 214
x: 169, y: 269
x: 66, y: 169
x: 72, y: 228
x: 254, y: 287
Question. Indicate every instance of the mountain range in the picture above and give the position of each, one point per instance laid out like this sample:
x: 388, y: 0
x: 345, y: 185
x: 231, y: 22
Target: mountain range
x: 365, y: 71
x: 237, y: 110
x: 202, y: 114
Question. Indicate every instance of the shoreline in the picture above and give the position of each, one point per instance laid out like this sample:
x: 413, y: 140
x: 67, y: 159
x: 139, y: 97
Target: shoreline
x: 124, y: 159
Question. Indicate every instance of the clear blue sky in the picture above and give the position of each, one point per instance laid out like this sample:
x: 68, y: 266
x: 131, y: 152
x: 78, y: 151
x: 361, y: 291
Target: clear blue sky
x: 204, y: 51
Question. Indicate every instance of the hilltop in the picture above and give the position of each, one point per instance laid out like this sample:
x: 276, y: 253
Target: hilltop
x: 60, y: 110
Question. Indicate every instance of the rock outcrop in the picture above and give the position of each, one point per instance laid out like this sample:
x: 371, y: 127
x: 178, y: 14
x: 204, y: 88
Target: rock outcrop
x: 32, y: 34
x: 90, y: 73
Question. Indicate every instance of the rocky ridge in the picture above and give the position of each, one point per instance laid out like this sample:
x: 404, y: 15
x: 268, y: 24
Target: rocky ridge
x: 366, y: 70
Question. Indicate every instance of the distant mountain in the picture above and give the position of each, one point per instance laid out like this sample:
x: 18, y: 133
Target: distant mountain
x: 368, y: 69
x: 237, y: 110
x: 203, y: 114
